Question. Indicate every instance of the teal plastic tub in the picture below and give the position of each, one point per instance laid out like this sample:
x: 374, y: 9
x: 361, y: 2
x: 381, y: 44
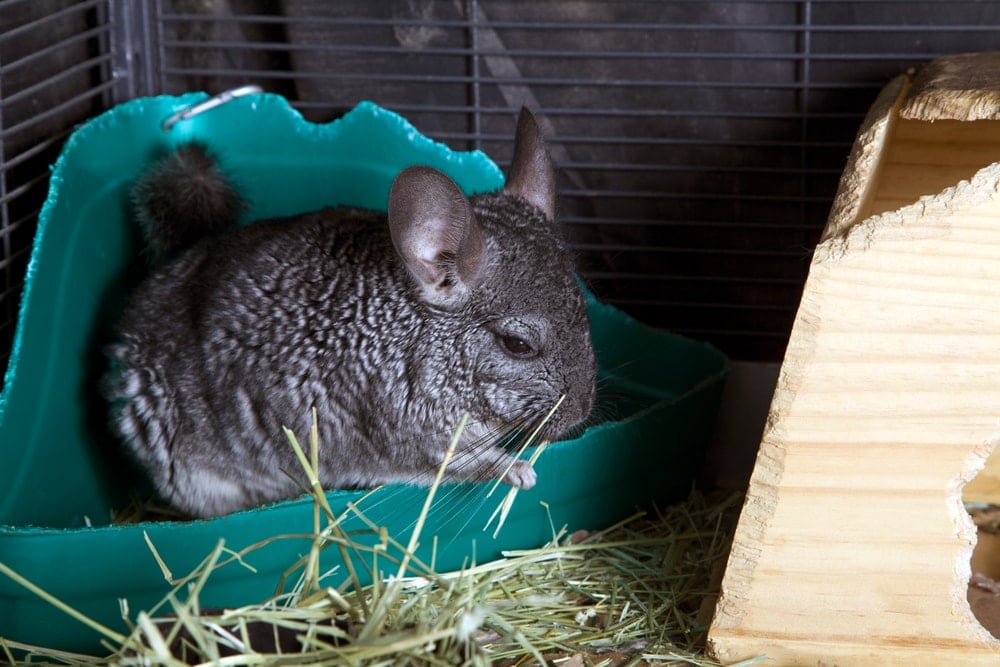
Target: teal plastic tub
x: 61, y: 473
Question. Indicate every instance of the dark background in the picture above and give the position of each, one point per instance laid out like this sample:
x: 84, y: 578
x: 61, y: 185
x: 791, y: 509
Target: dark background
x: 700, y: 143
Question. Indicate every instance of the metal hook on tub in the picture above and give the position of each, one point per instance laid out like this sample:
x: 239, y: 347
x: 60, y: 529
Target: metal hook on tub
x: 212, y: 102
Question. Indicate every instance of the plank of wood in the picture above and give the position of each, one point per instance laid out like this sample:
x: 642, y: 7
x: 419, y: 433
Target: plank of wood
x: 854, y: 541
x: 853, y: 547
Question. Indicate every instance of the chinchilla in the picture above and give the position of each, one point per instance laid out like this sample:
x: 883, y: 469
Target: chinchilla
x: 393, y: 326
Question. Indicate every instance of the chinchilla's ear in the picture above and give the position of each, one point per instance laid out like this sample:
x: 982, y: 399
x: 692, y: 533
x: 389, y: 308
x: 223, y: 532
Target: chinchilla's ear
x: 436, y: 235
x: 531, y: 176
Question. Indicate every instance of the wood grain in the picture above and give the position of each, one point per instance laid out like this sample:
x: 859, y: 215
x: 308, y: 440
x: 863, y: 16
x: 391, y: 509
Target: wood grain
x: 853, y: 547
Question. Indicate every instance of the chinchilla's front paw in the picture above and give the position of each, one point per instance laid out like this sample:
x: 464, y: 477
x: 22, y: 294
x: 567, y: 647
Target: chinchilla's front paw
x: 521, y: 475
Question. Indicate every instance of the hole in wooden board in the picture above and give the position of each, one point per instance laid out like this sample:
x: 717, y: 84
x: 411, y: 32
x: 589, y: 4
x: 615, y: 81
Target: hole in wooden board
x: 982, y: 499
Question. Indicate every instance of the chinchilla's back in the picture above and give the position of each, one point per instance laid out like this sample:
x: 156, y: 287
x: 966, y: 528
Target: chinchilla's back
x: 392, y: 326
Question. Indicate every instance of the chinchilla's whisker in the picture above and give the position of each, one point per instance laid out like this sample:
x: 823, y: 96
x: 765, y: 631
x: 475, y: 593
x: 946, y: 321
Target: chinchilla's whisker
x: 472, y: 453
x: 483, y: 448
x: 626, y: 365
x: 450, y: 503
x: 480, y: 448
x: 451, y: 500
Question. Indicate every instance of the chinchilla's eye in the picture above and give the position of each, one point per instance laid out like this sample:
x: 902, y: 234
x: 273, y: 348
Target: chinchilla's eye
x: 516, y: 346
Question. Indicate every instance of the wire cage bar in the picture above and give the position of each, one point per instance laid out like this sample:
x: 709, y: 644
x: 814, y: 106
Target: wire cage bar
x: 699, y: 144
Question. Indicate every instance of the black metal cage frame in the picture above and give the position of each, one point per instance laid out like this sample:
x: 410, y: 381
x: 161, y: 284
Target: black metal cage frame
x: 699, y: 143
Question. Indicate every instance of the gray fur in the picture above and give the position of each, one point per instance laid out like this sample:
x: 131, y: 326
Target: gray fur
x: 475, y: 310
x: 183, y: 199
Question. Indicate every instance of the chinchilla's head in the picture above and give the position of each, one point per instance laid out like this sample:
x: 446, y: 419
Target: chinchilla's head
x: 500, y: 288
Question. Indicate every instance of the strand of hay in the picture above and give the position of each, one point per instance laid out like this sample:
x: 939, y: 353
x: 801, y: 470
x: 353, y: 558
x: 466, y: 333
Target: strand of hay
x: 639, y: 592
x: 633, y: 593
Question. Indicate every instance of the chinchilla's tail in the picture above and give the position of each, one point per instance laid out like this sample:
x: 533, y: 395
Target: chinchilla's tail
x: 183, y: 198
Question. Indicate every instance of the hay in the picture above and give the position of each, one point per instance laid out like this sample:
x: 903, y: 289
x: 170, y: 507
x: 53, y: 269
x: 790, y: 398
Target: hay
x: 636, y: 593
